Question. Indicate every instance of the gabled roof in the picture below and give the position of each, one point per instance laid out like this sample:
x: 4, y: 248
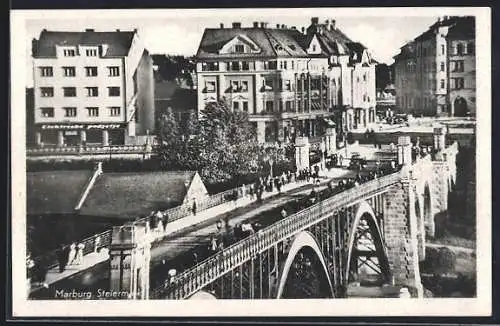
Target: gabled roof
x: 270, y: 41
x: 118, y: 42
x: 130, y: 195
x: 55, y: 192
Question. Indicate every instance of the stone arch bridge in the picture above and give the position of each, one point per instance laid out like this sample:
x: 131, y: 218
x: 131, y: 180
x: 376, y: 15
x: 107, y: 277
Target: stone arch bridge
x: 374, y: 231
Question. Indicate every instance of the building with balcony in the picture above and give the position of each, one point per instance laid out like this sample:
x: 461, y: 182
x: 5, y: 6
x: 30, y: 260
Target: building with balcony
x: 290, y: 82
x: 92, y: 88
x: 436, y: 72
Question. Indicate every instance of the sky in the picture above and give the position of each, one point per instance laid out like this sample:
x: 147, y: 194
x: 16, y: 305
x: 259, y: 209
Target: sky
x: 179, y: 32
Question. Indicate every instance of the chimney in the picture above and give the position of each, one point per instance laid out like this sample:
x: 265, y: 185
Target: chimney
x: 255, y: 24
x: 445, y: 18
x: 236, y: 25
x: 314, y: 20
x: 221, y: 26
x: 327, y: 22
x: 294, y: 28
x: 89, y: 30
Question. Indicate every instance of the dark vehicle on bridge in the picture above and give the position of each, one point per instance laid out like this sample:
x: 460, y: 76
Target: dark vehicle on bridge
x: 357, y: 162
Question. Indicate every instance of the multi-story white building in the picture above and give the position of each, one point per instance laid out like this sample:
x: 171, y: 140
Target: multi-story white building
x: 436, y: 72
x: 92, y: 88
x: 290, y: 82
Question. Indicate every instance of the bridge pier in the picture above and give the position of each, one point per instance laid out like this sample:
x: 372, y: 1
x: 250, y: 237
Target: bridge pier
x: 129, y: 261
x: 401, y: 227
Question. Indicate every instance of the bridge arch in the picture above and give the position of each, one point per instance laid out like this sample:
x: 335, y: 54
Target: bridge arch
x: 303, y: 240
x: 202, y: 295
x: 366, y: 214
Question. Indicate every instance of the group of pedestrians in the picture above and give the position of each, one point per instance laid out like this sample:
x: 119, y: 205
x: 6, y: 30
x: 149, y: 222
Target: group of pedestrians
x: 158, y: 221
x: 69, y: 255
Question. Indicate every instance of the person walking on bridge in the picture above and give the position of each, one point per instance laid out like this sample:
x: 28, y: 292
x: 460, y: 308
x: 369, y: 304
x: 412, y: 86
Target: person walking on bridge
x: 193, y: 208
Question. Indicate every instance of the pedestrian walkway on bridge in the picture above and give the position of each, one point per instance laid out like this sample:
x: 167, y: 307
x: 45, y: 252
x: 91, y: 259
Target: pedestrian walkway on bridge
x: 183, y: 234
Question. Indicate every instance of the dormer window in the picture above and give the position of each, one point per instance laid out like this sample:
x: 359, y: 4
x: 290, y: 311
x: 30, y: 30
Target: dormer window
x: 91, y: 52
x: 69, y: 52
x: 239, y: 48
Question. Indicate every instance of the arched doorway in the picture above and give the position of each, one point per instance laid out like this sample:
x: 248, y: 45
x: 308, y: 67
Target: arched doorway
x: 460, y: 107
x: 367, y: 260
x: 304, y: 275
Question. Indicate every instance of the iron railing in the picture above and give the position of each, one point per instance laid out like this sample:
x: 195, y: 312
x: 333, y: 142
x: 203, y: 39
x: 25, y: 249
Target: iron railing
x: 195, y: 278
x: 75, y: 150
x: 103, y: 239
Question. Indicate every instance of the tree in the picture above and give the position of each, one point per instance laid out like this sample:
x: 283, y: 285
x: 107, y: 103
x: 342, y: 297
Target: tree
x: 170, y: 140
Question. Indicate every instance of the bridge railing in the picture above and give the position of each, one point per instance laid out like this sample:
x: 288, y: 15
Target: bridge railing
x: 190, y: 281
x: 103, y: 240
x: 91, y: 244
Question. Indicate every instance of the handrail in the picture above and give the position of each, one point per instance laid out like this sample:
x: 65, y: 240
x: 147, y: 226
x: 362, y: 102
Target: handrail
x: 174, y: 213
x: 191, y: 280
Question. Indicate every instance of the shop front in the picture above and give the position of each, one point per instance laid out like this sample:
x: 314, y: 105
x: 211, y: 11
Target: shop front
x: 70, y: 135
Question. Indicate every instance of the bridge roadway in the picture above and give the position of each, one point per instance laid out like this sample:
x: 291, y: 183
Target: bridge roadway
x: 176, y: 250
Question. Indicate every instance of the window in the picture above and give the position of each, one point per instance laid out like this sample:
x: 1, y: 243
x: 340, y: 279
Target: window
x: 235, y: 85
x: 210, y: 66
x: 459, y: 83
x: 245, y: 65
x: 210, y: 86
x: 288, y: 85
x: 91, y: 52
x: 235, y: 66
x: 239, y: 48
x: 270, y: 65
x: 114, y: 71
x: 458, y: 66
x: 46, y: 72
x: 285, y: 65
x: 47, y: 91
x: 357, y: 79
x: 69, y: 52
x: 70, y: 112
x: 293, y: 65
x: 93, y: 111
x: 364, y: 77
x: 245, y: 106
x: 442, y: 66
x: 460, y: 49
x: 244, y: 86
x: 442, y: 49
x: 442, y: 85
x: 114, y: 111
x: 268, y: 84
x: 92, y: 91
x: 47, y: 112
x: 236, y: 106
x: 91, y: 71
x: 288, y: 106
x: 69, y: 91
x: 470, y: 48
x: 269, y: 106
x: 69, y: 71
x: 314, y: 48
x: 113, y: 91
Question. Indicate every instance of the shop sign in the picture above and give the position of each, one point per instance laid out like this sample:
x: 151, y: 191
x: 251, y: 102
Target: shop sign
x: 71, y: 133
x: 83, y: 126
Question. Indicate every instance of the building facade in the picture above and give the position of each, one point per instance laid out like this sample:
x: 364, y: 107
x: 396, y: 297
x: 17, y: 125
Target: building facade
x: 291, y: 83
x: 436, y: 72
x: 92, y: 88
